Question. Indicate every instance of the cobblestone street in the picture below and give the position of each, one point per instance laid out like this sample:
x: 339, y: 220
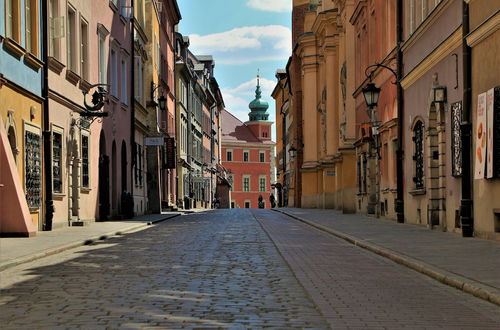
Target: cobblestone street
x: 233, y: 269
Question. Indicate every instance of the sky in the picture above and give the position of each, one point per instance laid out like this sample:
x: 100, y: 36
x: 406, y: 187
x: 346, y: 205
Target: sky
x: 243, y: 36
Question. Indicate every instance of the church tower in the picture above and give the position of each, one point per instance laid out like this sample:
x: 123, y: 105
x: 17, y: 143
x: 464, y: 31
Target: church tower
x: 258, y: 116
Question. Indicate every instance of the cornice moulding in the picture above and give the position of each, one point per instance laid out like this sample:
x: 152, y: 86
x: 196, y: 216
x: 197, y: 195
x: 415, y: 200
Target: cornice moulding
x: 439, y: 53
x: 484, y: 30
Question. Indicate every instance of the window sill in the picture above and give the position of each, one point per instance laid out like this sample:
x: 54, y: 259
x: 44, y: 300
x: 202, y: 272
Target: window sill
x: 55, y: 65
x: 85, y: 85
x: 85, y: 190
x: 32, y: 61
x: 124, y: 106
x: 13, y: 47
x: 113, y: 6
x: 72, y: 77
x: 417, y: 192
x: 113, y: 99
x: 58, y: 196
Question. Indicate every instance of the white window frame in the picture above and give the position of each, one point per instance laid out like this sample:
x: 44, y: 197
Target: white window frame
x: 71, y: 39
x: 260, y: 156
x: 248, y: 158
x: 60, y: 131
x: 249, y: 183
x: 86, y: 133
x: 124, y: 79
x: 229, y: 152
x: 113, y: 72
x: 84, y: 48
x: 262, y: 177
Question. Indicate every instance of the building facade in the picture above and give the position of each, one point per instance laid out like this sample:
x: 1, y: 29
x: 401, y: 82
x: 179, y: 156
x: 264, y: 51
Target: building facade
x: 248, y: 155
x: 326, y: 138
x: 376, y: 133
x: 21, y: 118
x: 483, y: 42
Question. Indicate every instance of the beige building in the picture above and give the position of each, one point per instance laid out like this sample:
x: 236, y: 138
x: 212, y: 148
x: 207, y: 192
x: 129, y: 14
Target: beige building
x: 484, y: 42
x: 328, y: 169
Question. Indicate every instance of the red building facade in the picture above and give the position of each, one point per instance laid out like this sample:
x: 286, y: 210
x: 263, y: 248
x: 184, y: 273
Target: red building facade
x: 248, y: 155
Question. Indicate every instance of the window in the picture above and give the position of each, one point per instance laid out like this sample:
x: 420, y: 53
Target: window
x: 246, y: 156
x: 71, y: 40
x: 103, y: 79
x: 84, y: 46
x: 247, y: 204
x: 418, y: 155
x: 12, y: 19
x: 262, y: 155
x: 139, y: 163
x: 30, y: 14
x: 57, y: 152
x: 262, y: 184
x: 56, y: 28
x: 32, y: 167
x: 246, y: 183
x: 232, y: 204
x: 229, y: 156
x: 231, y: 182
x: 114, y: 73
x: 264, y: 134
x: 85, y: 161
x: 139, y: 87
x: 124, y: 84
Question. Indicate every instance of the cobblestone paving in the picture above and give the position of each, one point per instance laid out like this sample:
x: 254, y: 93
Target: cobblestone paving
x: 355, y: 289
x: 201, y: 271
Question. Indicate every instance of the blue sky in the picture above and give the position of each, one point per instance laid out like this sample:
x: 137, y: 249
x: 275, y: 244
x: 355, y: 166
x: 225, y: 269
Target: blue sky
x: 243, y: 36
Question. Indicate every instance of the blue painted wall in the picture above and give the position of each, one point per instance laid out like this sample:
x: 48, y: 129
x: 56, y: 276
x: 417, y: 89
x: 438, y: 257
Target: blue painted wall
x: 15, y: 69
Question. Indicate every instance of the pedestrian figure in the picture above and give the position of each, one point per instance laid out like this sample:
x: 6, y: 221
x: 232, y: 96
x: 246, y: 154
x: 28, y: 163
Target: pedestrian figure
x: 272, y: 200
x: 261, y: 202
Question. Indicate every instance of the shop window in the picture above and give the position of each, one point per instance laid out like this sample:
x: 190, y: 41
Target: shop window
x: 57, y: 152
x: 85, y: 161
x: 32, y: 168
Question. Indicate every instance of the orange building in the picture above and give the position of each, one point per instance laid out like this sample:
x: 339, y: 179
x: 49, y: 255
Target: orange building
x: 248, y: 155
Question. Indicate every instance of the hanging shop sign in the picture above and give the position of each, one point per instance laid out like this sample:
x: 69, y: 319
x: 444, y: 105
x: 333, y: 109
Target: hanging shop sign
x: 493, y: 133
x: 480, y: 137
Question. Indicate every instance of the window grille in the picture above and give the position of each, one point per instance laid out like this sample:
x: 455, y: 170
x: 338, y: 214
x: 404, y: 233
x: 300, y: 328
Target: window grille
x: 57, y: 163
x: 418, y: 156
x: 33, y: 169
x: 85, y: 161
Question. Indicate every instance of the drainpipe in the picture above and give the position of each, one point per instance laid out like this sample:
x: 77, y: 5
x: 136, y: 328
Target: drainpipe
x: 400, y: 105
x: 132, y: 101
x: 466, y: 204
x: 47, y: 150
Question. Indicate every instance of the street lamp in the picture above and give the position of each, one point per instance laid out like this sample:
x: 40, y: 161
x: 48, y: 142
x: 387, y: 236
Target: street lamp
x: 371, y: 94
x: 439, y: 95
x: 162, y: 101
x: 292, y: 150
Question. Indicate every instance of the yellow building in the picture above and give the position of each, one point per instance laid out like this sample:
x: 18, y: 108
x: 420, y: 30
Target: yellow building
x: 328, y: 170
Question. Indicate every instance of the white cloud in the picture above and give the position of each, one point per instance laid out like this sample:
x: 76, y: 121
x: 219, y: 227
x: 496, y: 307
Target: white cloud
x: 271, y: 5
x: 244, y: 45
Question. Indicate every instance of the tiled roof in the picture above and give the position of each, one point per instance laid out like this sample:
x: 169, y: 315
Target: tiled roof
x: 234, y: 130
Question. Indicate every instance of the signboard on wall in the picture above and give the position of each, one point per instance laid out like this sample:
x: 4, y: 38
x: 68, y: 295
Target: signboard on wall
x: 153, y: 141
x: 170, y: 153
x: 493, y: 136
x: 480, y: 138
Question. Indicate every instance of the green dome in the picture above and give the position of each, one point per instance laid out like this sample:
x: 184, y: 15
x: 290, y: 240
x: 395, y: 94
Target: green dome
x: 258, y: 106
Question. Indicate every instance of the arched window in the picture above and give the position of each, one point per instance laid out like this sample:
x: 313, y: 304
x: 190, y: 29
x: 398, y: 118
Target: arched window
x: 418, y: 155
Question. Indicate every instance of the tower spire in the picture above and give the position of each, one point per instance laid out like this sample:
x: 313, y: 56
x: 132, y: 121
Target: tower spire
x: 258, y: 77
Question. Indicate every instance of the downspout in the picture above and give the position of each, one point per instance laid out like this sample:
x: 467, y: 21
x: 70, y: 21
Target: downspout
x: 400, y: 104
x: 466, y: 204
x: 47, y: 169
x: 132, y: 102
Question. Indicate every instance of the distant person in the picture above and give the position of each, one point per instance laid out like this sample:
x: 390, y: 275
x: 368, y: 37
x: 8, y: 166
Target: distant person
x: 272, y: 200
x: 261, y: 202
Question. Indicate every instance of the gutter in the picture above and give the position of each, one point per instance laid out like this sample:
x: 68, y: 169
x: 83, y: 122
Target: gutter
x: 399, y: 207
x: 47, y: 150
x: 466, y: 203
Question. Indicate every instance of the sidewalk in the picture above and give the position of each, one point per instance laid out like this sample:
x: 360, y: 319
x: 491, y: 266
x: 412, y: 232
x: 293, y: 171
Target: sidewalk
x: 15, y: 251
x: 468, y: 264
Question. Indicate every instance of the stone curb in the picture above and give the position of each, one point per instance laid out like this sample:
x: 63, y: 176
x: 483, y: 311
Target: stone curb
x: 22, y: 260
x: 467, y: 285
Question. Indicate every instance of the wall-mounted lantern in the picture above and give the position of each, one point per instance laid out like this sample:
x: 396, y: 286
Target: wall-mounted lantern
x: 439, y: 94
